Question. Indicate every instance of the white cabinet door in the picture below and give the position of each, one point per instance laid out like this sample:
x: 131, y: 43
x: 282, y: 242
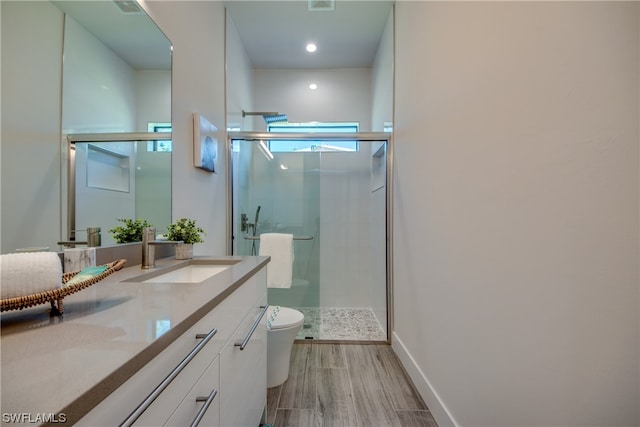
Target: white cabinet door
x: 243, y: 375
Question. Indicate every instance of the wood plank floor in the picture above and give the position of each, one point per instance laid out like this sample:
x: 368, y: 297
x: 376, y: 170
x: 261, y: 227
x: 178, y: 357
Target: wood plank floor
x: 348, y: 385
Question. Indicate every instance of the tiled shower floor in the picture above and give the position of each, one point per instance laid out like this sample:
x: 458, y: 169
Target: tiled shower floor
x: 328, y: 323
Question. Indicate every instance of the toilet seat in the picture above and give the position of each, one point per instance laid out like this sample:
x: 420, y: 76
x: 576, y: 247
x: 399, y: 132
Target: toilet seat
x: 283, y: 317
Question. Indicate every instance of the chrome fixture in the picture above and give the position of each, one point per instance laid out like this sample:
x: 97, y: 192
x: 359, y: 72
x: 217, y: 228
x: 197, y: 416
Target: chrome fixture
x: 93, y: 239
x: 148, y: 243
x: 268, y: 116
x: 244, y: 222
x: 294, y: 238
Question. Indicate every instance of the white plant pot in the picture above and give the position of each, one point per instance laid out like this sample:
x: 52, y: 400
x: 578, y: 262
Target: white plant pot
x: 184, y: 251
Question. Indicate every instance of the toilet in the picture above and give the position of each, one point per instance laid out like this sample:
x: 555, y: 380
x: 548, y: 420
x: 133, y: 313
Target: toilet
x: 283, y: 324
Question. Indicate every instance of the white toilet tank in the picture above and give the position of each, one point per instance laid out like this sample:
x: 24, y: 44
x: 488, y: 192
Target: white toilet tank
x: 283, y: 324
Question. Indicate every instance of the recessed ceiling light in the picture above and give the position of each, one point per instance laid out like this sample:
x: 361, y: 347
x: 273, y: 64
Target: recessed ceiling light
x: 313, y: 86
x: 321, y: 5
x: 311, y: 47
x: 129, y: 7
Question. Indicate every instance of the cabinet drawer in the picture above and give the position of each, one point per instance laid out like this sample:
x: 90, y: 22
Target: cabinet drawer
x: 169, y: 398
x: 195, y: 403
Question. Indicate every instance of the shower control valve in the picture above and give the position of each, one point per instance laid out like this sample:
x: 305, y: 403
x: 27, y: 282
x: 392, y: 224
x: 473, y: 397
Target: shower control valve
x: 244, y: 222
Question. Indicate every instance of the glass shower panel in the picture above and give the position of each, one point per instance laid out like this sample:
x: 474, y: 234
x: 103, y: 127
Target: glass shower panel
x: 335, y: 203
x: 279, y: 193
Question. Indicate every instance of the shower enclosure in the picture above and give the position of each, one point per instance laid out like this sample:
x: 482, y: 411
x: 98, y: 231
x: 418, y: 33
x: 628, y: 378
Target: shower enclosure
x: 329, y: 191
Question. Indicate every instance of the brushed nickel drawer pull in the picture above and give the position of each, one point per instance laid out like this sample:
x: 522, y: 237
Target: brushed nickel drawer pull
x: 207, y: 402
x: 165, y: 383
x: 253, y: 328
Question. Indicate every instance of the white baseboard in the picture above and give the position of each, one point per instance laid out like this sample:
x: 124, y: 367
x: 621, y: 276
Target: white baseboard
x: 438, y: 409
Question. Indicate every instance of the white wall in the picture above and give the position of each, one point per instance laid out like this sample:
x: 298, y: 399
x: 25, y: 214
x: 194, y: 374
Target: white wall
x: 153, y: 98
x: 102, y: 93
x: 197, y: 31
x: 99, y: 93
x: 153, y: 187
x: 239, y: 80
x: 239, y: 97
x: 31, y: 85
x: 516, y: 210
x: 342, y: 95
x: 382, y: 80
x: 153, y: 168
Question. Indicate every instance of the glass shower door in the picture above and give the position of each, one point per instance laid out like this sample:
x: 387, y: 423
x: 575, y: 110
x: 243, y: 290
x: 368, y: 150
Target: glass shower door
x: 333, y: 201
x: 279, y: 193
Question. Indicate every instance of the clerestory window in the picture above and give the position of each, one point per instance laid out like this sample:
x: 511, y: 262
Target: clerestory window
x: 159, y: 145
x: 287, y: 146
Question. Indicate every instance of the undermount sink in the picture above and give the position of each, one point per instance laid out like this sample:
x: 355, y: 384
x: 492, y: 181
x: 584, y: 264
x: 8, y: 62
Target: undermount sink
x: 190, y: 274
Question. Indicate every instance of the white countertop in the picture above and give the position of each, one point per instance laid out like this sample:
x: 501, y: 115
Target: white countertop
x: 53, y: 365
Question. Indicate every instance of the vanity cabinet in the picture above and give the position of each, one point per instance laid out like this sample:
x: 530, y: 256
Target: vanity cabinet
x: 214, y: 374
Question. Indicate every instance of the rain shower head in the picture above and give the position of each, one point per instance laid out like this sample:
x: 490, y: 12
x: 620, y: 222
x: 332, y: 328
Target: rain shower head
x: 276, y: 118
x: 268, y: 116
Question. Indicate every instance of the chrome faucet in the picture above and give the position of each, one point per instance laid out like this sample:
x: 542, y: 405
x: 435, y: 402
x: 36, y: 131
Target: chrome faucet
x: 93, y: 238
x: 148, y: 243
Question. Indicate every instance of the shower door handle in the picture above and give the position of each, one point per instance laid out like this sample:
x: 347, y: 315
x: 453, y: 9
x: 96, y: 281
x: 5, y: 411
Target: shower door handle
x: 246, y: 339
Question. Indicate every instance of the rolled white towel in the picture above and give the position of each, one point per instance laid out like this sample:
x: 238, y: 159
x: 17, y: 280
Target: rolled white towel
x: 29, y: 273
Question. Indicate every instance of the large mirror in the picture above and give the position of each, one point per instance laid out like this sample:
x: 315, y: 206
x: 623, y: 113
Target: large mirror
x: 116, y: 81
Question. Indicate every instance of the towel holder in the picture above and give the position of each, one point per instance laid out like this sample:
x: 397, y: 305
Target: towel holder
x: 294, y: 238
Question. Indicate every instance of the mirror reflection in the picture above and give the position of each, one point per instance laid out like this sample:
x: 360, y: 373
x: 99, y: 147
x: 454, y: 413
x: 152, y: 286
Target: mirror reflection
x: 116, y: 80
x: 117, y: 180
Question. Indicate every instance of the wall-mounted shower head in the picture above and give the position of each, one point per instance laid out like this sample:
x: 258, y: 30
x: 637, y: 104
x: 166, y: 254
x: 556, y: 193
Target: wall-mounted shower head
x: 268, y: 116
x: 276, y: 118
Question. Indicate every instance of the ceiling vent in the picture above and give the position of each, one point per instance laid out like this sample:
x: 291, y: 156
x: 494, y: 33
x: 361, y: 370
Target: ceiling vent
x: 321, y: 5
x: 129, y: 7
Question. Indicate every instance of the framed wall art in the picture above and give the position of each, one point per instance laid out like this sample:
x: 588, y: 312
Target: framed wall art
x: 205, y: 144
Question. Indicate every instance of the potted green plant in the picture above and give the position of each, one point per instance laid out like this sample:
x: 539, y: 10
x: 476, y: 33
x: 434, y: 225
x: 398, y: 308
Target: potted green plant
x: 185, y: 229
x: 131, y: 231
